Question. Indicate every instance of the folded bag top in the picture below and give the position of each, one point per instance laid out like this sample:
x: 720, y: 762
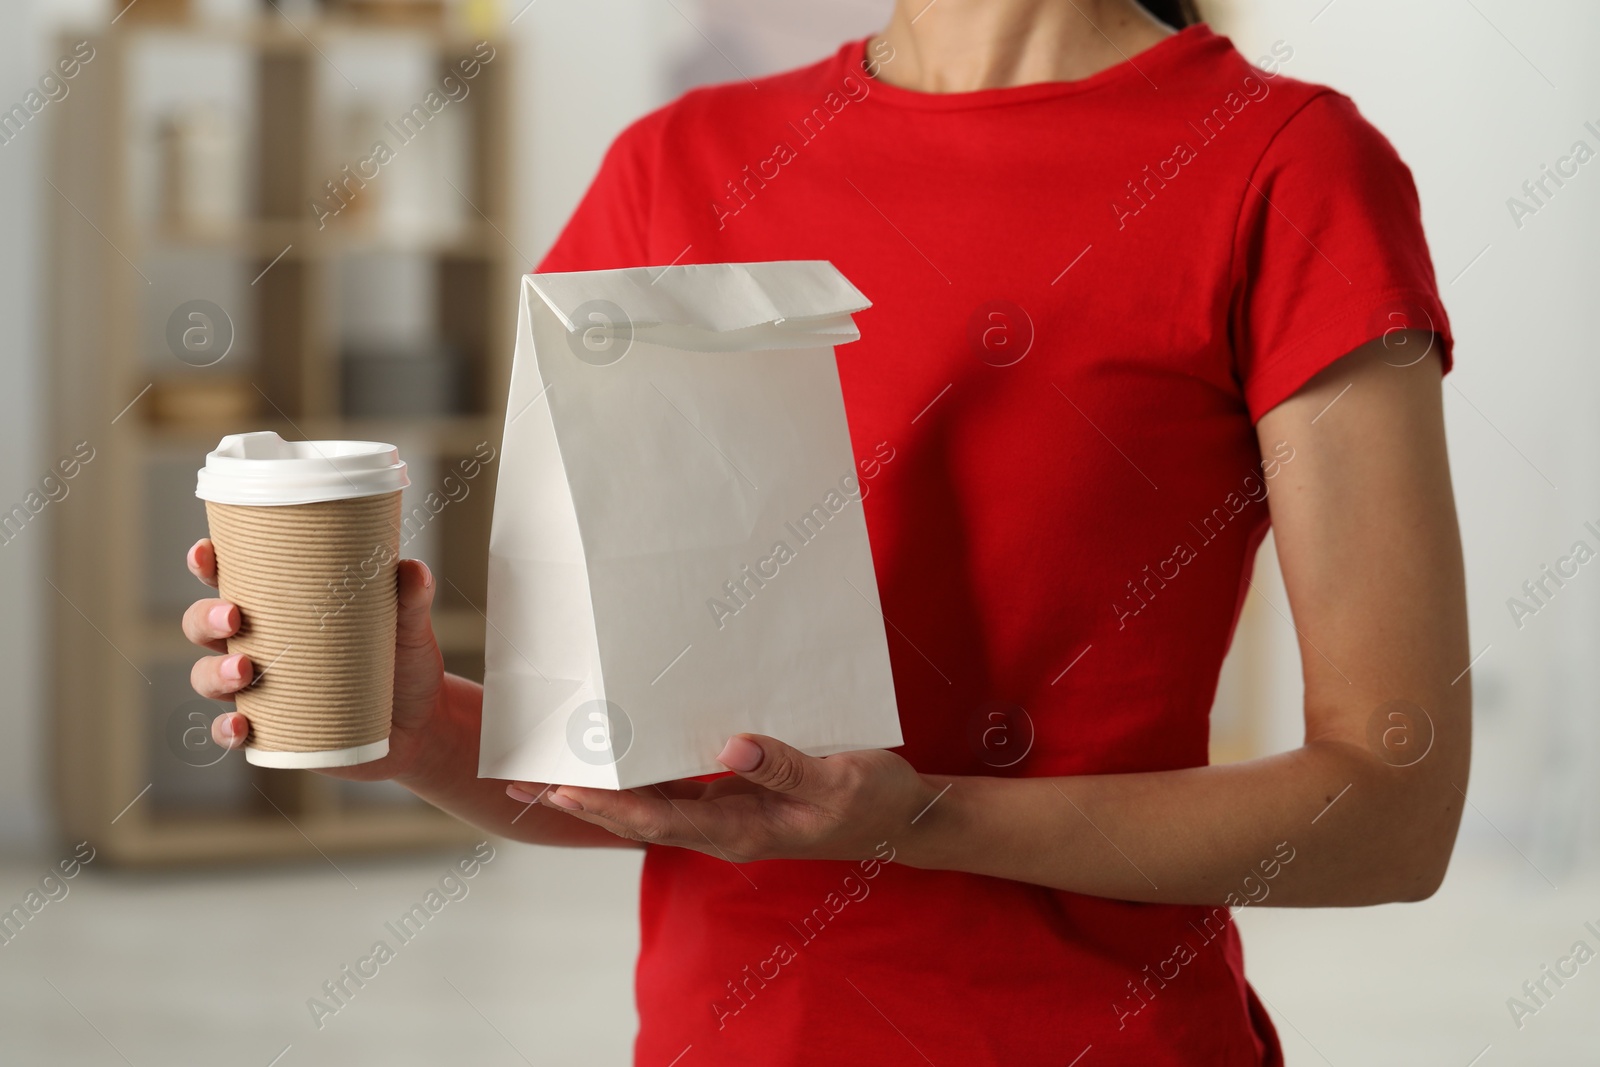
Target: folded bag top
x: 721, y: 307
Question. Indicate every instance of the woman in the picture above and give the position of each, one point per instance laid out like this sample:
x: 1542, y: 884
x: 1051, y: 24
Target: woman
x: 1133, y: 297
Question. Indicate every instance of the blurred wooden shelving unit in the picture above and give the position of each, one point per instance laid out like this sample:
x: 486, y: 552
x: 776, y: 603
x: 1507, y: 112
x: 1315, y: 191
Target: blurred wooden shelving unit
x: 126, y: 774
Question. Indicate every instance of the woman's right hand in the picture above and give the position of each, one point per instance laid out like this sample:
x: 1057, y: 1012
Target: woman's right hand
x: 418, y: 669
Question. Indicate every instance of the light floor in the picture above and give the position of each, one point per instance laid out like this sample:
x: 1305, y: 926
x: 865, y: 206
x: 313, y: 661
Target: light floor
x: 533, y: 967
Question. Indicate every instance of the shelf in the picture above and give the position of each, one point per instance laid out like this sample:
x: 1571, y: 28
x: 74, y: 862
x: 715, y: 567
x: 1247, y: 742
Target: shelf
x: 472, y: 243
x: 260, y: 238
x: 305, y: 34
x: 459, y: 630
x: 447, y: 435
x: 296, y: 240
x: 166, y: 838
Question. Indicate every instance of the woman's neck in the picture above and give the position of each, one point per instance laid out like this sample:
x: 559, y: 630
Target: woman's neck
x: 954, y: 46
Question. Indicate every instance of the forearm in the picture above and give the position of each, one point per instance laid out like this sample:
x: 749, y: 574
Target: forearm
x: 1328, y: 824
x: 447, y: 777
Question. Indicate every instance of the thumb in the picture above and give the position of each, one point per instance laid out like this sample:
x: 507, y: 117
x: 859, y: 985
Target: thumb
x: 768, y: 762
x: 418, y: 668
x: 414, y: 622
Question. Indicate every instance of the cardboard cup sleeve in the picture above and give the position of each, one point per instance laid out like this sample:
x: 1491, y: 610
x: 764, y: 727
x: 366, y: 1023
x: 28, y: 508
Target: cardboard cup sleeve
x: 315, y: 584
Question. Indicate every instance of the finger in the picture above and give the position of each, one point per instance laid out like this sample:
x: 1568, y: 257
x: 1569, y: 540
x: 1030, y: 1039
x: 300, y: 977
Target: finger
x: 414, y: 624
x: 202, y: 561
x: 641, y: 835
x: 207, y: 622
x: 680, y: 789
x: 768, y: 762
x: 537, y: 792
x: 653, y: 819
x: 219, y: 677
x: 527, y: 792
x: 230, y: 729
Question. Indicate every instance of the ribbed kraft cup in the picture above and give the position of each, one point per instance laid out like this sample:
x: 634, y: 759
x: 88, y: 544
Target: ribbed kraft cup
x: 316, y: 590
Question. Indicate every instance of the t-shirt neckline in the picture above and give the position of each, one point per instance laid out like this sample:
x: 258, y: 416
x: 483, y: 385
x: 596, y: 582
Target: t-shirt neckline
x: 1138, y: 67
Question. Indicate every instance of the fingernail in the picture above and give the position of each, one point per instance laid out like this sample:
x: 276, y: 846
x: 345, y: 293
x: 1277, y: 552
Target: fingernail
x: 740, y: 754
x: 427, y: 575
x: 561, y: 800
x: 520, y: 795
x: 220, y: 617
x: 233, y: 668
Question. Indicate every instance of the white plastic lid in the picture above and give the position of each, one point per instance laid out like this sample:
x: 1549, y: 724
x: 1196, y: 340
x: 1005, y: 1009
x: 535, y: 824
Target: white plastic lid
x: 263, y: 469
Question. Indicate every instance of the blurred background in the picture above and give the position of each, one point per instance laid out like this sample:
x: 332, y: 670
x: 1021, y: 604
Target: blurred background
x: 162, y: 281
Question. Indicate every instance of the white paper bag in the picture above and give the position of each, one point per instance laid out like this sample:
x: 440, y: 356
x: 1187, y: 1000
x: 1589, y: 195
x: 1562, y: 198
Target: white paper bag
x: 678, y: 551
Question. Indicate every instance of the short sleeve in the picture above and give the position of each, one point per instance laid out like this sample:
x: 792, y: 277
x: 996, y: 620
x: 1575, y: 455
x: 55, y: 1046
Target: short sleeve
x: 1329, y: 253
x: 610, y: 227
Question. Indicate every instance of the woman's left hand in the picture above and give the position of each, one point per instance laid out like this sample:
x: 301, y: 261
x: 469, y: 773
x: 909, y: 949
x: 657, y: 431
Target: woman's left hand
x: 781, y: 804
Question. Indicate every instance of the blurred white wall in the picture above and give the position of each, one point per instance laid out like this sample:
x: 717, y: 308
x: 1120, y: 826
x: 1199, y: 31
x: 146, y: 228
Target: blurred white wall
x: 585, y: 72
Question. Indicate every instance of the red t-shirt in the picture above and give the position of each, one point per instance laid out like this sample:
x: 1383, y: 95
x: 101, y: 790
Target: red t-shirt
x: 1085, y: 294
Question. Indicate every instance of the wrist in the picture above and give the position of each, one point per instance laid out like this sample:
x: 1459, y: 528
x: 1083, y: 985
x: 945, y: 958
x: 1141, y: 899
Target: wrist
x: 938, y: 824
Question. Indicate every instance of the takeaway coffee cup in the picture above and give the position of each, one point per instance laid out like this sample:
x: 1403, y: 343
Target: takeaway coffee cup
x: 307, y: 537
